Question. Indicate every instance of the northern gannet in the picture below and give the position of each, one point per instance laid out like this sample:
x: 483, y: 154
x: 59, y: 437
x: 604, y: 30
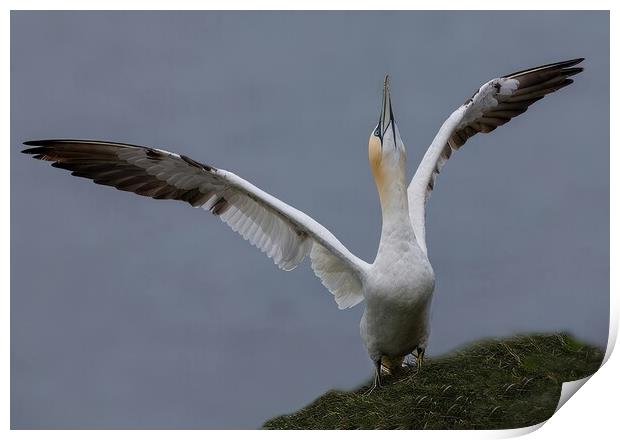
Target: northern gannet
x: 398, y: 286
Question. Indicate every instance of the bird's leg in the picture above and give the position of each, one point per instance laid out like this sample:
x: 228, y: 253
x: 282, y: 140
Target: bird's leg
x: 419, y: 358
x: 377, y: 381
x: 378, y: 374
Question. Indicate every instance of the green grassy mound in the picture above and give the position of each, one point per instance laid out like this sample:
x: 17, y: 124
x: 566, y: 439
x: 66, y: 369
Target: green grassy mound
x: 494, y: 384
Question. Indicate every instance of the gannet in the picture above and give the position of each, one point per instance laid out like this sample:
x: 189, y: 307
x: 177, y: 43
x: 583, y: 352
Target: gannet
x: 398, y: 286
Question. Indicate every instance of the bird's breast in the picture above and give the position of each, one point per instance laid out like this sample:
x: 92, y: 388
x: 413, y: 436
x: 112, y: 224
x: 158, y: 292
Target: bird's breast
x: 398, y: 300
x: 403, y: 279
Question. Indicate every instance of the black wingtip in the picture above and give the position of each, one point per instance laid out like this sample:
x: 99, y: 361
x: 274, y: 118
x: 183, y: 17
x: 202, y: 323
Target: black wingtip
x: 42, y: 142
x: 38, y: 147
x: 35, y: 143
x: 61, y: 141
x: 36, y: 150
x: 561, y: 65
x: 569, y: 63
x: 574, y: 60
x: 572, y: 71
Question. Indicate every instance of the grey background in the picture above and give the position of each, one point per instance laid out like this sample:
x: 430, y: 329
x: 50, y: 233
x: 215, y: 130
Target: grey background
x: 132, y: 313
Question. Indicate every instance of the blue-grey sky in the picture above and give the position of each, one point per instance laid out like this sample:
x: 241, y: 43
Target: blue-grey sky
x: 128, y: 312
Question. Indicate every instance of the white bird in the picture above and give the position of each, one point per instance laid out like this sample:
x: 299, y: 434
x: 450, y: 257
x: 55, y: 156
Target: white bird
x: 398, y: 286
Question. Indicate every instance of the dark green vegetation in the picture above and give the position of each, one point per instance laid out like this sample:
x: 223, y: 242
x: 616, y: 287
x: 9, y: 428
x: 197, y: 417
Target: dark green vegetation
x: 494, y: 384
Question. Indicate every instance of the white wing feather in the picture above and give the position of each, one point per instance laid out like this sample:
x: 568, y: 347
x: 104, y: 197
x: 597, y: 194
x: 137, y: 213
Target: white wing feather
x: 283, y: 233
x: 494, y: 104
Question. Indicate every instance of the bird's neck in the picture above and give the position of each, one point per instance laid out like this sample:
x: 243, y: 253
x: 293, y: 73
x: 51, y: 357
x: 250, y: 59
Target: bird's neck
x: 396, y: 225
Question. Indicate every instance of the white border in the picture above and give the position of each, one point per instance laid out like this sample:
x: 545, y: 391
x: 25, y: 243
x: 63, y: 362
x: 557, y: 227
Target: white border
x: 591, y: 414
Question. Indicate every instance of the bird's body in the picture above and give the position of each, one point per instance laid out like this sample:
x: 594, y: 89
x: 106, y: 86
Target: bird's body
x: 398, y: 297
x: 398, y: 286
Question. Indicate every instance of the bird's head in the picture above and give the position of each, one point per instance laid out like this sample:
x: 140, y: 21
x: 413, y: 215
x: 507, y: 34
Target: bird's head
x: 386, y: 151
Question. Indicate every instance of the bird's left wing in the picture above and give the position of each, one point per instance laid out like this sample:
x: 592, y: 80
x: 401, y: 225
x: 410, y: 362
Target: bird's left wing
x: 494, y: 104
x: 282, y: 232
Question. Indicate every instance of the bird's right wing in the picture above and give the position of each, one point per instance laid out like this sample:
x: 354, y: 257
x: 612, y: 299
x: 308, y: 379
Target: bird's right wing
x: 494, y: 104
x: 284, y: 233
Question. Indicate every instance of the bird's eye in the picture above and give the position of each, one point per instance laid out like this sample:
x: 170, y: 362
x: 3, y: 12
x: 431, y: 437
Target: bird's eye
x: 377, y: 131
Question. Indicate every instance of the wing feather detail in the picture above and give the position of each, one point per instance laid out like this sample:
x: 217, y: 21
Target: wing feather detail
x: 283, y: 233
x: 335, y: 276
x: 493, y: 105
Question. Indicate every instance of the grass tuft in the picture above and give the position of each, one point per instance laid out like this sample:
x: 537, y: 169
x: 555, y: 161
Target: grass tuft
x: 494, y: 384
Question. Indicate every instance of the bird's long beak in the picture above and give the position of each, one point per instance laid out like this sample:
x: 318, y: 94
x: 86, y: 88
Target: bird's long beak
x: 386, y: 119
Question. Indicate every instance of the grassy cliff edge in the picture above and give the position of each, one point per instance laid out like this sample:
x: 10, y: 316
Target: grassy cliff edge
x: 494, y: 384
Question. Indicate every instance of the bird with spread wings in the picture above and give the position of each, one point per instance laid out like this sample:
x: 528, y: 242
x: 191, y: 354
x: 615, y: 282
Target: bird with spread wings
x: 398, y: 286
